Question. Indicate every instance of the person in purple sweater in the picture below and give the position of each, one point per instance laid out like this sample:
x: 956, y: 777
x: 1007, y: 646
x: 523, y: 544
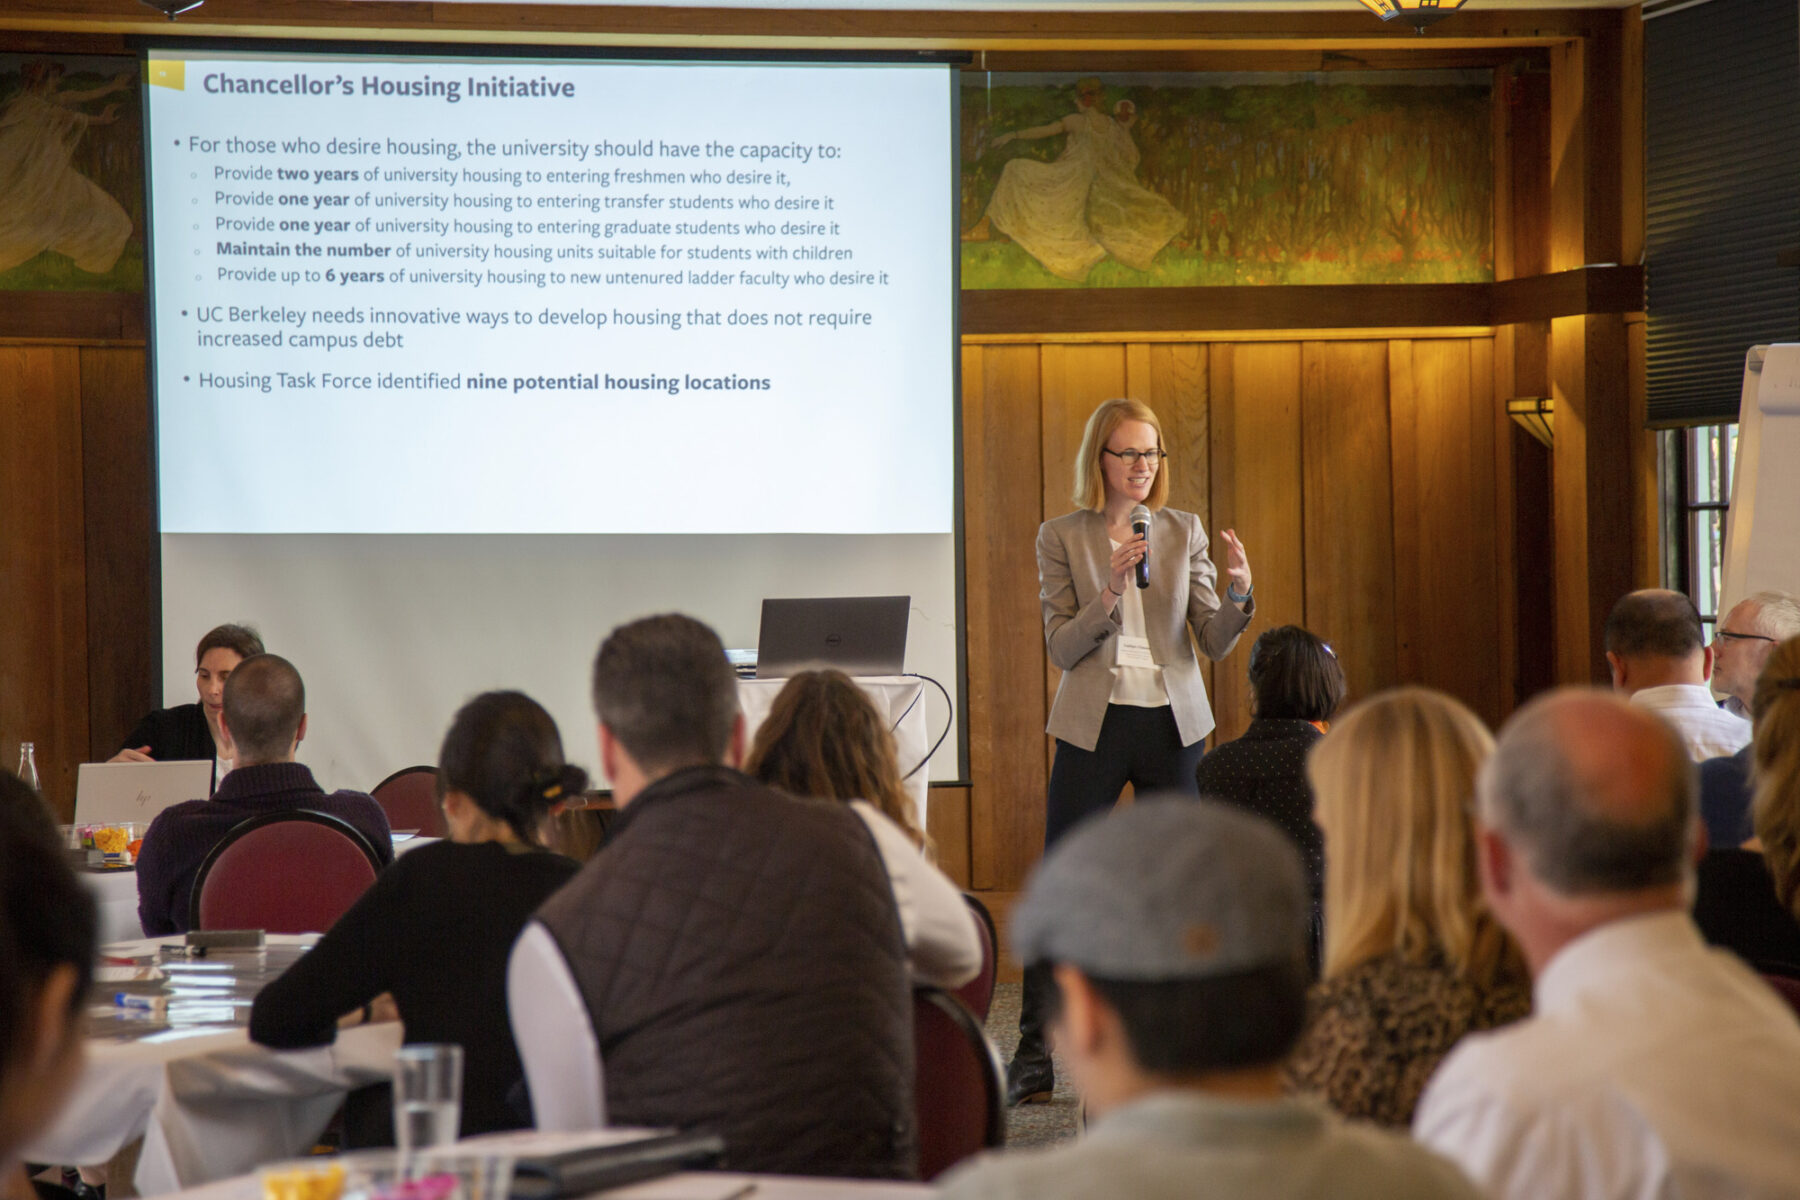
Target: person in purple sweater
x: 265, y: 716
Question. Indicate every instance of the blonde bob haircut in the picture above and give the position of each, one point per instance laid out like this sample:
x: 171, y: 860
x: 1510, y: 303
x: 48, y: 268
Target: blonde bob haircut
x: 1394, y: 782
x: 1775, y: 769
x: 1090, y: 481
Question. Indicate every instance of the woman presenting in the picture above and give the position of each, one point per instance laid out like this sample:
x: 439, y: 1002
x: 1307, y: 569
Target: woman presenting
x: 1131, y: 707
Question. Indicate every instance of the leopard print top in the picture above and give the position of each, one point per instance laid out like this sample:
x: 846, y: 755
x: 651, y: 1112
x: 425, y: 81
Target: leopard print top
x: 1377, y: 1032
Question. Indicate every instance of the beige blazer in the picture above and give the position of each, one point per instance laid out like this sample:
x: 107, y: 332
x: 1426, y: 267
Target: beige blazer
x: 1074, y: 555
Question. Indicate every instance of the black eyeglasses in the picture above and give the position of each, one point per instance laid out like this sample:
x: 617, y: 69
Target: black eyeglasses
x: 1131, y: 457
x: 1724, y: 636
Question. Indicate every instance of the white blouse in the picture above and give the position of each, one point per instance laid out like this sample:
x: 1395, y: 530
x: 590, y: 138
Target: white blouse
x: 1140, y: 687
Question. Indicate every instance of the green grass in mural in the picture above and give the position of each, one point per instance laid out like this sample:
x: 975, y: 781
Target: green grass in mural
x: 1308, y: 182
x: 53, y: 272
x: 999, y: 264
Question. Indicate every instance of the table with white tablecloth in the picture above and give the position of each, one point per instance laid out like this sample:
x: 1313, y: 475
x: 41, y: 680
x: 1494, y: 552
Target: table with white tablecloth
x: 208, y: 1102
x: 685, y: 1185
x: 899, y: 698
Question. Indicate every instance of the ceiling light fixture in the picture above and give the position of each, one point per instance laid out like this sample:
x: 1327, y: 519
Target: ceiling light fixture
x: 1418, y: 13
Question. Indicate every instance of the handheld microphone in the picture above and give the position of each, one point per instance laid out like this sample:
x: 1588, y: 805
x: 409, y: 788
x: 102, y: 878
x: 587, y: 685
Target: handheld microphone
x: 1140, y: 525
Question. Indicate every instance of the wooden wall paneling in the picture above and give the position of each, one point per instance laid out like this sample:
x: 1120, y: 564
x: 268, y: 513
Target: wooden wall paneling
x: 1403, y: 421
x: 1489, y: 551
x: 1449, y: 528
x: 118, y: 487
x: 43, y: 639
x: 1256, y: 467
x: 1592, y: 466
x: 1348, y: 508
x: 1003, y: 506
x: 947, y: 822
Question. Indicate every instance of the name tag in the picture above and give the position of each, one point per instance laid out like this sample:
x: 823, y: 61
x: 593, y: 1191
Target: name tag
x: 1135, y: 652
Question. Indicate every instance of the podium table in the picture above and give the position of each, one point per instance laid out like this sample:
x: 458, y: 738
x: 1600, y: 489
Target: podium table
x: 899, y: 698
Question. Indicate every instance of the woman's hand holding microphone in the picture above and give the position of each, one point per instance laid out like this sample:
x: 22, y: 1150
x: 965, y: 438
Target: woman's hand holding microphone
x: 1124, y: 562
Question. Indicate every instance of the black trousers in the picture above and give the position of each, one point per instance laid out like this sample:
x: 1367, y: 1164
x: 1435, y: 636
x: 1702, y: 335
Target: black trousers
x: 1139, y: 746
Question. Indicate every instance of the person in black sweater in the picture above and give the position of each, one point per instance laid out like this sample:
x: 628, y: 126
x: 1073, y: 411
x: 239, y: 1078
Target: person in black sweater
x: 188, y: 732
x: 1296, y: 685
x: 434, y: 931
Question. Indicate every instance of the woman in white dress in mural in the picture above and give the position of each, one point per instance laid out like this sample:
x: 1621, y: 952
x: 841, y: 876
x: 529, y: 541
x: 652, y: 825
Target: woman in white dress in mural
x: 45, y: 203
x: 1072, y: 212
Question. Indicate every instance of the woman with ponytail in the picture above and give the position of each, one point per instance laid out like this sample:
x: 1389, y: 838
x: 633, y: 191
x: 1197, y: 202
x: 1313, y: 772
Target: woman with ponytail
x: 434, y: 931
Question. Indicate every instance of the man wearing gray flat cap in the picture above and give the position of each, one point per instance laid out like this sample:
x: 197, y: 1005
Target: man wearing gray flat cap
x: 1176, y: 932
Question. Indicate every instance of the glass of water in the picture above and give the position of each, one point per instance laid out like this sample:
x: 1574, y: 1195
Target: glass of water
x: 427, y: 1096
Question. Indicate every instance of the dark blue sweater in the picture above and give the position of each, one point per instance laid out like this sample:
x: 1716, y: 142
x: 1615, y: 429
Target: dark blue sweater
x: 182, y: 835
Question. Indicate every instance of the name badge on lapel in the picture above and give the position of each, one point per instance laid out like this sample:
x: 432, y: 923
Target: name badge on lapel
x: 1135, y: 652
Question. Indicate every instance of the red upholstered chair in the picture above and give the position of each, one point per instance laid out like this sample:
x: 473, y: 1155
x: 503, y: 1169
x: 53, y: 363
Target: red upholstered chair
x: 409, y: 798
x: 283, y: 872
x: 1787, y: 987
x: 959, y: 1096
x: 978, y: 993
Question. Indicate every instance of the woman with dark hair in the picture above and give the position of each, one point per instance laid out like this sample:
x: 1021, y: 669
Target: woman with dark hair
x: 435, y: 929
x: 824, y: 738
x: 1296, y: 686
x: 47, y: 932
x: 192, y: 731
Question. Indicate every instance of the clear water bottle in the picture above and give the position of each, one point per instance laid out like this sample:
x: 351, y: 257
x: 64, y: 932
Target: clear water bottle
x: 28, y: 765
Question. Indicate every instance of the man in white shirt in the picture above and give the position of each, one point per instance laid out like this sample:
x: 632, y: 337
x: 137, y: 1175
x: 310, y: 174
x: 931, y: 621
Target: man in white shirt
x: 1658, y: 656
x: 1652, y: 1065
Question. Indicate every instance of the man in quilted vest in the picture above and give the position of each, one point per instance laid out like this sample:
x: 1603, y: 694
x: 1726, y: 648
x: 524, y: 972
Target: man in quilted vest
x: 732, y: 959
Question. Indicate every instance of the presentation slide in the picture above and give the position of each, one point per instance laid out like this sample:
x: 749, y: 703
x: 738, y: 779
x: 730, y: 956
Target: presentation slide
x: 697, y: 318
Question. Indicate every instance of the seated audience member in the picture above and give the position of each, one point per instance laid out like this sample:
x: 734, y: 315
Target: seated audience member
x: 1748, y: 899
x: 733, y: 957
x: 264, y: 714
x: 823, y: 738
x: 1652, y: 1065
x: 1413, y: 958
x: 192, y: 731
x: 1659, y: 658
x: 435, y: 929
x: 1296, y: 686
x: 1176, y: 932
x: 1746, y: 637
x: 47, y: 932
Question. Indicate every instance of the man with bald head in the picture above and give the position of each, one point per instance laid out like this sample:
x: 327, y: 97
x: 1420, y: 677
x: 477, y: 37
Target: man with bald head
x: 1652, y: 1065
x: 1658, y: 656
x: 265, y: 716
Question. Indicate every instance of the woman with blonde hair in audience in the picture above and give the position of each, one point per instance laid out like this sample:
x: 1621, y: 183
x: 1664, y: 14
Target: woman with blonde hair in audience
x: 1775, y: 770
x: 1413, y: 959
x: 824, y: 738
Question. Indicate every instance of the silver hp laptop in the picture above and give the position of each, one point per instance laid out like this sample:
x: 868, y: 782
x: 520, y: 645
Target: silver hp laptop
x: 859, y: 635
x: 110, y: 792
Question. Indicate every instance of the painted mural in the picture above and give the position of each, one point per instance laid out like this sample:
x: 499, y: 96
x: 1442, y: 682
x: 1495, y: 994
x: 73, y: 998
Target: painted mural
x: 1199, y: 179
x: 71, y: 174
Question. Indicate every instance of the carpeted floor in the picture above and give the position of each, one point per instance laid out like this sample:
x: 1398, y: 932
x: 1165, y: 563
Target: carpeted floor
x: 1030, y: 1124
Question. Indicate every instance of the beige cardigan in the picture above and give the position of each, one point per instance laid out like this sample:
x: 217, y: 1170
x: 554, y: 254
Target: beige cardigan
x: 1074, y: 555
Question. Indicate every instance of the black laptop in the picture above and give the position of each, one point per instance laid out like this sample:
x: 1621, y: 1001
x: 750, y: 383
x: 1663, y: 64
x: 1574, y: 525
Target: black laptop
x: 859, y: 635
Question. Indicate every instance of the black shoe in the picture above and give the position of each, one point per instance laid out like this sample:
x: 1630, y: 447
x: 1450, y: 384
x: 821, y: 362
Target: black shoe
x: 1029, y: 1081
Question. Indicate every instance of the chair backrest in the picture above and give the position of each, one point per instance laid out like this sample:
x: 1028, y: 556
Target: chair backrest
x: 978, y: 993
x: 1787, y: 987
x: 958, y: 1094
x: 295, y: 871
x: 409, y: 798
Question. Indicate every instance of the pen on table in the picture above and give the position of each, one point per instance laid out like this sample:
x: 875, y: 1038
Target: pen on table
x: 746, y: 1190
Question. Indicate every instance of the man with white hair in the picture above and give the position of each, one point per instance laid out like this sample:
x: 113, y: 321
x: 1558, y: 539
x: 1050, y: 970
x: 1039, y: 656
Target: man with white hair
x: 1652, y: 1065
x: 1742, y: 643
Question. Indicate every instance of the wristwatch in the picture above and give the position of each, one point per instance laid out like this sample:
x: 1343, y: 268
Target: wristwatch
x: 1231, y: 593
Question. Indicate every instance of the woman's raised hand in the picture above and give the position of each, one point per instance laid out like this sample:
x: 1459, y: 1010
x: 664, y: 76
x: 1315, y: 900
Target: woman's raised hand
x: 1237, y: 563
